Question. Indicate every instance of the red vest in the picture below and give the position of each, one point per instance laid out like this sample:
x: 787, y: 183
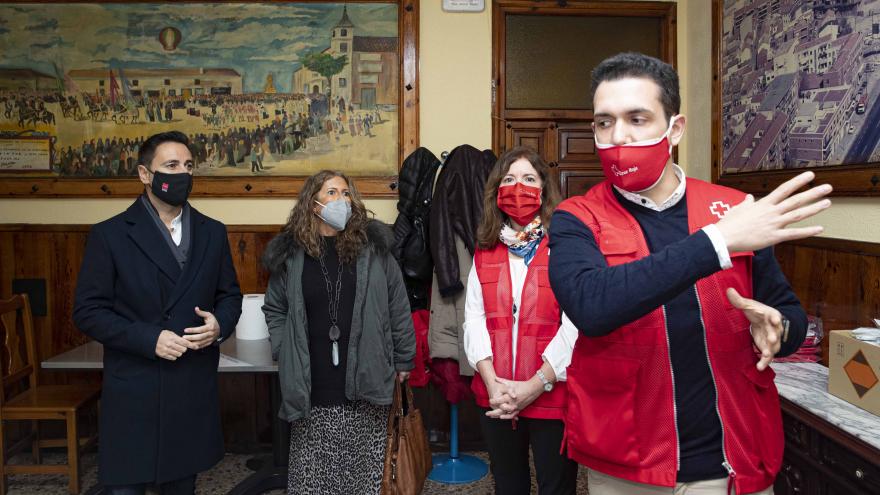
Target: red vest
x: 620, y: 415
x: 539, y: 320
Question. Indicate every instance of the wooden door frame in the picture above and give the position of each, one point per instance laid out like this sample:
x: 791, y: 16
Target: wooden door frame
x: 500, y: 8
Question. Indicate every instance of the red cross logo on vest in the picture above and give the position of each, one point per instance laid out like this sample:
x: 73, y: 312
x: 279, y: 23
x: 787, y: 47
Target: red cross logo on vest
x: 719, y: 209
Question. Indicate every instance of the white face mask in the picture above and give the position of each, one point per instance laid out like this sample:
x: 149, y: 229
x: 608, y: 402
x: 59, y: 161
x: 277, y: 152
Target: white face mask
x: 335, y: 213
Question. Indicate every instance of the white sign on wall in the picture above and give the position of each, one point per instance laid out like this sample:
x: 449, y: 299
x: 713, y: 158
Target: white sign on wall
x: 25, y: 154
x: 464, y: 5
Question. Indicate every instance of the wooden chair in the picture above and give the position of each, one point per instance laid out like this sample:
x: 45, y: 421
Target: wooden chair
x: 22, y: 398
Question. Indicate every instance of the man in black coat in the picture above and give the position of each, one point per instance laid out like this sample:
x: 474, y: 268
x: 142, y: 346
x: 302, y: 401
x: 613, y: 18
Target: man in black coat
x: 158, y: 289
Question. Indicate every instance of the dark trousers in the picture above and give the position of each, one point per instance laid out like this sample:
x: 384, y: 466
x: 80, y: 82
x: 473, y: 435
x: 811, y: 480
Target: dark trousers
x: 183, y: 486
x: 509, y: 456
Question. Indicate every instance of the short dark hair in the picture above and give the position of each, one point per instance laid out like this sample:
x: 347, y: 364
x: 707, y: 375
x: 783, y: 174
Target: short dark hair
x: 147, y: 151
x: 633, y: 64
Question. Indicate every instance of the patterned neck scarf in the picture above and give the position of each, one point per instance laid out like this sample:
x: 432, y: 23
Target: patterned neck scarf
x: 523, y: 243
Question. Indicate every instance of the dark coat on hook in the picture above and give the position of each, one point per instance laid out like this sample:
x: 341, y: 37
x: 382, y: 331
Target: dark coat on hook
x: 456, y: 211
x: 411, y: 229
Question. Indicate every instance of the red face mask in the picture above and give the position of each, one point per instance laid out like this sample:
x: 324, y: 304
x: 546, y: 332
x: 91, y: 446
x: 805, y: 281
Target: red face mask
x: 636, y: 167
x: 520, y: 202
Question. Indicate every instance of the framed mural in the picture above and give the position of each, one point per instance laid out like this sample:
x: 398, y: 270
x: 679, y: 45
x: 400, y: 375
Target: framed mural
x: 268, y: 92
x: 796, y: 87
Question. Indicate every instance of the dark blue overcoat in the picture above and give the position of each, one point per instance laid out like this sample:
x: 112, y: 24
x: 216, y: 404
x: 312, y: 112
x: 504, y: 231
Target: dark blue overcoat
x: 160, y: 419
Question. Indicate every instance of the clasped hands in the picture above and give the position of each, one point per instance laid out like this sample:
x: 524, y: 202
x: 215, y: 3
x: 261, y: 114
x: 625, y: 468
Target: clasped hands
x: 508, y: 398
x: 171, y: 346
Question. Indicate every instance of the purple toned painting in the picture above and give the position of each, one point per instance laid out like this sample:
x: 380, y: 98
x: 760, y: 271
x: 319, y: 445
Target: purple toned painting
x: 799, y: 84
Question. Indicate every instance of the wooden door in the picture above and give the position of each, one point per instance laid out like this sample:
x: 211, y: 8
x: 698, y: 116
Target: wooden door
x: 536, y: 135
x: 543, y: 53
x: 576, y: 160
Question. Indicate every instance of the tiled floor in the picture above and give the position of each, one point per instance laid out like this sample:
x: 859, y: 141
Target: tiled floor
x: 220, y: 479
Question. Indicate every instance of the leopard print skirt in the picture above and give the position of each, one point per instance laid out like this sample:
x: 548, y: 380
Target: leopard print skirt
x: 338, y: 450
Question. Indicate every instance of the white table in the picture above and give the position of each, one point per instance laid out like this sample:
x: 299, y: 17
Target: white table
x: 236, y: 356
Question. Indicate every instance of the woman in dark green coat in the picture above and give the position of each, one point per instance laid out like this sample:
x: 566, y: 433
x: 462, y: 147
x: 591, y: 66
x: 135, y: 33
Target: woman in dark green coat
x: 340, y: 327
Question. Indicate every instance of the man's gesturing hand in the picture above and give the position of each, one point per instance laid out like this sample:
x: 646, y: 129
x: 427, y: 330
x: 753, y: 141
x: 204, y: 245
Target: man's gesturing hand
x: 766, y: 325
x: 753, y: 225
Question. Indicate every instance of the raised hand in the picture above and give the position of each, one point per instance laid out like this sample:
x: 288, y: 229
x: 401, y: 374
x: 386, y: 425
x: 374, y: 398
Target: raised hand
x: 753, y: 225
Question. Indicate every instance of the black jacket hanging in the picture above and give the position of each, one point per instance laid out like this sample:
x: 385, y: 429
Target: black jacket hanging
x: 456, y: 211
x: 411, y: 229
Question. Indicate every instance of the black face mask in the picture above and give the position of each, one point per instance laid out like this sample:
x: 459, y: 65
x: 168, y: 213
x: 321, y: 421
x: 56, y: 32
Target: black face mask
x: 172, y: 189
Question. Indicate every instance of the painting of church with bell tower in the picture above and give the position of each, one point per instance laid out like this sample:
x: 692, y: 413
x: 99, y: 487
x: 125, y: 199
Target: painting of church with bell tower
x: 261, y: 89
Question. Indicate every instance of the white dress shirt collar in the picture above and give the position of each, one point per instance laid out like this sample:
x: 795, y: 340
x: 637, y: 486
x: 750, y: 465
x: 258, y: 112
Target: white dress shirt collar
x: 671, y: 201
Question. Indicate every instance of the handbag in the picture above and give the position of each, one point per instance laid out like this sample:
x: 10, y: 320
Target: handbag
x: 407, y: 455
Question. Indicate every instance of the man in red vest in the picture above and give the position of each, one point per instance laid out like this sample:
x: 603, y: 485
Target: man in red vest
x: 671, y: 281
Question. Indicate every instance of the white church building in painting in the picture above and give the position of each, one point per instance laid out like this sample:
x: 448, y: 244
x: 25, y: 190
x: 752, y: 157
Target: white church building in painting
x: 369, y: 79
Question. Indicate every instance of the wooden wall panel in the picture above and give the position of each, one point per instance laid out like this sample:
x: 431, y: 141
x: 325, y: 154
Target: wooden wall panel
x: 247, y: 247
x: 836, y: 280
x: 54, y: 255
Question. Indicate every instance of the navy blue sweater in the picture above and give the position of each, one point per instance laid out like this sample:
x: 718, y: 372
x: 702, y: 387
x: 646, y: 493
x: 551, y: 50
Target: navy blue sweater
x: 598, y: 299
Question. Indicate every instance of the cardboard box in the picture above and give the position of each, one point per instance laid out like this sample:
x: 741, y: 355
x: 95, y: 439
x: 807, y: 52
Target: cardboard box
x: 854, y: 371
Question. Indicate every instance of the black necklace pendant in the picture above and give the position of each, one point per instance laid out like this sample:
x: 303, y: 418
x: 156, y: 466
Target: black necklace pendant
x: 333, y: 306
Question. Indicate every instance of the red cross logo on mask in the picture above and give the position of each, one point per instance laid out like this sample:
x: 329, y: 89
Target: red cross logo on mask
x: 719, y: 209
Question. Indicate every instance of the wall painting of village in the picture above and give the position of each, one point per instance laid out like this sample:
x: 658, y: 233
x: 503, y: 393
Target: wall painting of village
x: 262, y: 89
x: 800, y: 80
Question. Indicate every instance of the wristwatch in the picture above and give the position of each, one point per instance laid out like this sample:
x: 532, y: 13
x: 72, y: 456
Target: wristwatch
x: 548, y: 385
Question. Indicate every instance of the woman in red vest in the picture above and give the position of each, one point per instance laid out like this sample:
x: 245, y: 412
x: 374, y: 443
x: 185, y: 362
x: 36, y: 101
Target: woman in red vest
x: 515, y: 335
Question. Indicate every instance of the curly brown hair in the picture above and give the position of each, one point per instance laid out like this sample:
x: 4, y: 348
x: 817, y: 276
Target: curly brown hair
x: 493, y: 217
x: 303, y: 224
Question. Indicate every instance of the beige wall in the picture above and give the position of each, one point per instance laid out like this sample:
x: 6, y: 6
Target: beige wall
x: 455, y: 106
